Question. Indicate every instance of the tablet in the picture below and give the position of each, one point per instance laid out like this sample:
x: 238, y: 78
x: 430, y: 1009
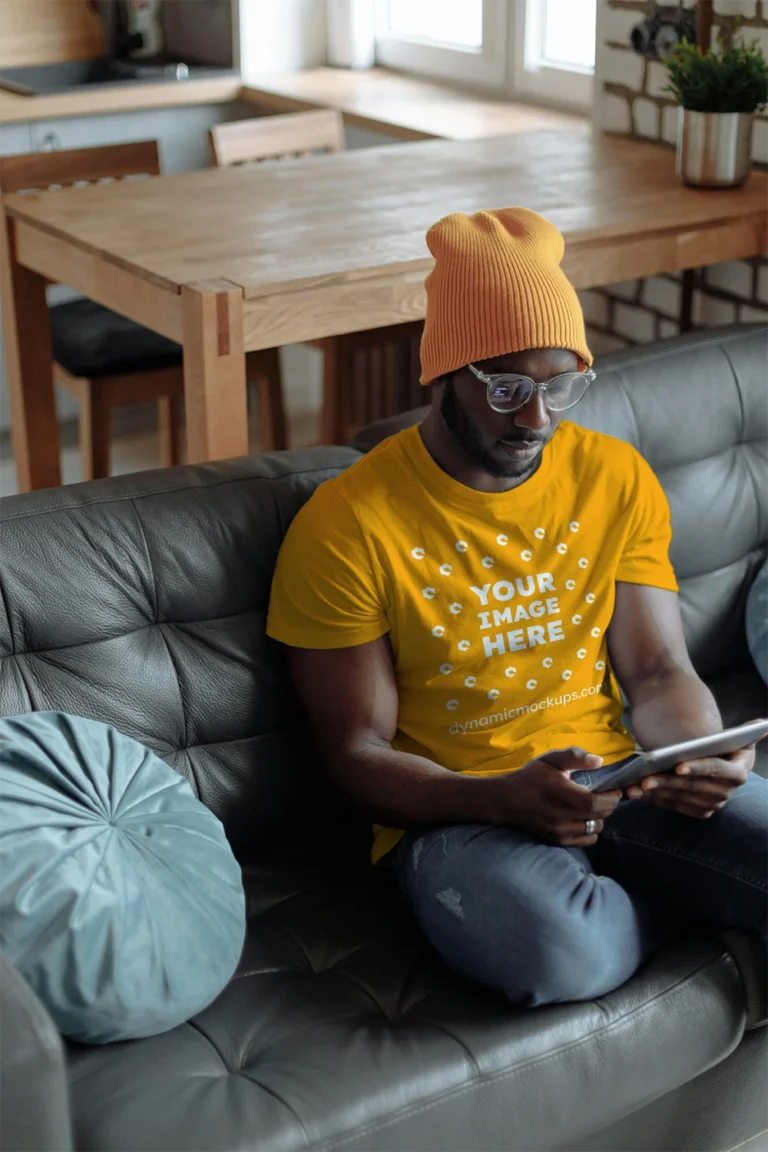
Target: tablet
x: 665, y: 759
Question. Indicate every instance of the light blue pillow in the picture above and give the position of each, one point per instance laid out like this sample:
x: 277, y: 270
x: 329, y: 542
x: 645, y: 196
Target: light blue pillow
x: 757, y: 621
x: 120, y: 899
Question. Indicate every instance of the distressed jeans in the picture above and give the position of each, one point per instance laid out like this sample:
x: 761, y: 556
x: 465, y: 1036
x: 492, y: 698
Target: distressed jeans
x: 547, y: 924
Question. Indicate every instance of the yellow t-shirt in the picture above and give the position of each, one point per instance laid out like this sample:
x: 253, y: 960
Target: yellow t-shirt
x: 496, y: 604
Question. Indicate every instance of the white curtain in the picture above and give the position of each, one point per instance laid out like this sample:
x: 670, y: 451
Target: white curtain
x: 351, y: 33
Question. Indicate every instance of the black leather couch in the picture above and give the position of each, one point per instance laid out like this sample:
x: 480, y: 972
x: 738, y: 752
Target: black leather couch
x: 141, y: 601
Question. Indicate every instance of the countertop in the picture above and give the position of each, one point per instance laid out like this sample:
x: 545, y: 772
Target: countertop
x: 130, y: 97
x: 402, y: 106
x: 405, y: 106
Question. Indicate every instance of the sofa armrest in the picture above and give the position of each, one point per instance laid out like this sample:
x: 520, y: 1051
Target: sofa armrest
x: 33, y: 1081
x: 750, y: 953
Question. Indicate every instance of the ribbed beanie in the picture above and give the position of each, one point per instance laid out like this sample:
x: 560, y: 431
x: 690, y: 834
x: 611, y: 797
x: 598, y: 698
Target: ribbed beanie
x: 497, y: 287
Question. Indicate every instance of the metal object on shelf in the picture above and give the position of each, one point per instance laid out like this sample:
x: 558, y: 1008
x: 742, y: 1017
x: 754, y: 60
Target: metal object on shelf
x: 714, y: 149
x: 663, y: 28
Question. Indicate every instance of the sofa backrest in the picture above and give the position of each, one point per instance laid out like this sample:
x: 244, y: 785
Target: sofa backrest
x: 697, y: 410
x: 696, y: 407
x: 141, y: 601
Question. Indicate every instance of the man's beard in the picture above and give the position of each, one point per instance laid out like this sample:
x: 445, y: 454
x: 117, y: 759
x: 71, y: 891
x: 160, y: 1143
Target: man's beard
x: 469, y: 437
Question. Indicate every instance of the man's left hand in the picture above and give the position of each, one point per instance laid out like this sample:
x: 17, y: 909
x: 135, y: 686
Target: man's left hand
x: 697, y: 788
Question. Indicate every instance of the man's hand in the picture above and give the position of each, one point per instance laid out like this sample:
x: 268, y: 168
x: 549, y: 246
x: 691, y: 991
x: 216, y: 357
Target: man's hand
x: 541, y: 798
x: 697, y: 788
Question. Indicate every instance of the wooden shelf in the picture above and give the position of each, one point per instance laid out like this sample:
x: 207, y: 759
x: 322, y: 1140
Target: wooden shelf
x: 404, y: 106
x: 401, y: 106
x: 48, y: 31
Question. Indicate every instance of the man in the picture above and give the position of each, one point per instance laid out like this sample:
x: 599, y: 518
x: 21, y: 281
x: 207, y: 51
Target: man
x: 459, y: 609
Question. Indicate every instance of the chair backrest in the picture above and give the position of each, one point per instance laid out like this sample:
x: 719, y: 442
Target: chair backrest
x: 277, y: 137
x: 37, y: 171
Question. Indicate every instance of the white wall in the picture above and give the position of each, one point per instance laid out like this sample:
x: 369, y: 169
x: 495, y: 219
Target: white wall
x: 281, y: 36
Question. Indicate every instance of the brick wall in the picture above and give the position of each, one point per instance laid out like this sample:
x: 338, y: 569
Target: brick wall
x: 629, y: 99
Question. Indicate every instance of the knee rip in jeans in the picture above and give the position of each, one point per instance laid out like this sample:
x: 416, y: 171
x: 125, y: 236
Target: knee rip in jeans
x: 416, y: 850
x: 451, y: 899
x: 418, y: 846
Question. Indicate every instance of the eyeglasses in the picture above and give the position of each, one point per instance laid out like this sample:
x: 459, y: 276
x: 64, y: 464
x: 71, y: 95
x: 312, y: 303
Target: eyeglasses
x: 509, y: 392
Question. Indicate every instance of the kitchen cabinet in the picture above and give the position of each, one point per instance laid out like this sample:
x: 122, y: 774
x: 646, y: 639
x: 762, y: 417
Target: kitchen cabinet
x: 182, y: 133
x: 367, y: 137
x: 15, y: 138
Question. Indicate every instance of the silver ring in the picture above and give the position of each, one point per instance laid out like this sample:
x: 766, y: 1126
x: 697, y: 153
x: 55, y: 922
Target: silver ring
x: 590, y: 827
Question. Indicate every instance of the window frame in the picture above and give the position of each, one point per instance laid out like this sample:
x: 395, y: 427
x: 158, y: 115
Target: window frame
x: 535, y: 79
x: 513, y: 31
x: 479, y: 68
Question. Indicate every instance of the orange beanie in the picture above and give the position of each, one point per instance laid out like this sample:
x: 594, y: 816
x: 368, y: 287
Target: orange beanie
x: 497, y: 287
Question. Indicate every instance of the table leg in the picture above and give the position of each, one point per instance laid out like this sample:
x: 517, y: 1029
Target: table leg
x: 29, y: 364
x: 338, y: 373
x: 214, y: 371
x: 686, y: 304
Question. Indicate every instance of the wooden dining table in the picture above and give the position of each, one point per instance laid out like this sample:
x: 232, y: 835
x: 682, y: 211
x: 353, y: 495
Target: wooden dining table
x: 229, y: 261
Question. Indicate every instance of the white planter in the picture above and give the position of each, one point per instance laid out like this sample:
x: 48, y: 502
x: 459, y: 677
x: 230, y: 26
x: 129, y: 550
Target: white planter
x: 351, y: 33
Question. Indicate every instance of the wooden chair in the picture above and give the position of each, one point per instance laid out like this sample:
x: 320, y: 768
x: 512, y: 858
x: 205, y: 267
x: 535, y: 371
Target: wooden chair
x: 101, y: 358
x: 292, y: 135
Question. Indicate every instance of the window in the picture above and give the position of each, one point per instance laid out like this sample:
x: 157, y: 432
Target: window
x: 459, y: 40
x: 461, y: 22
x: 554, y: 50
x: 541, y: 49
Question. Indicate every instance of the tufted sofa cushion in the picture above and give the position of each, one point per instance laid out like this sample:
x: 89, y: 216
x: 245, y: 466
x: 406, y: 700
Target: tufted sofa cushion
x: 141, y: 602
x: 342, y: 1031
x: 757, y: 622
x: 695, y: 407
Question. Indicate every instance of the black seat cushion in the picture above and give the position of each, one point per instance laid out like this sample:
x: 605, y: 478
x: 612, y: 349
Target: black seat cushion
x: 91, y: 341
x: 342, y: 1029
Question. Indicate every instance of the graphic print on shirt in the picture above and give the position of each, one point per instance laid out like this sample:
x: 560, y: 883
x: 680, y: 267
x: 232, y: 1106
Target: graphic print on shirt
x: 520, y: 630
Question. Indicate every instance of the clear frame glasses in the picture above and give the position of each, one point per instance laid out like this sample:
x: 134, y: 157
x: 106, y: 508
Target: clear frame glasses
x: 508, y: 392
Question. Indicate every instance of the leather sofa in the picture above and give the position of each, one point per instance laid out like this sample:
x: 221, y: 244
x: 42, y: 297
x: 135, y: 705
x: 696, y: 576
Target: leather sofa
x: 141, y: 601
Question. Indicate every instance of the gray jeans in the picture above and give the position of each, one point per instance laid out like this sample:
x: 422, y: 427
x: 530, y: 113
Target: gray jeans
x: 547, y: 924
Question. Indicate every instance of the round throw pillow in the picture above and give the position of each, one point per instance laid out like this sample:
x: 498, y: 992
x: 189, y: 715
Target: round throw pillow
x: 757, y: 621
x: 121, y: 902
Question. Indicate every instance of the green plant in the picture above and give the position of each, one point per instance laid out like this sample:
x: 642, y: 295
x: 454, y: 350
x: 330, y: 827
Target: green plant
x: 732, y: 79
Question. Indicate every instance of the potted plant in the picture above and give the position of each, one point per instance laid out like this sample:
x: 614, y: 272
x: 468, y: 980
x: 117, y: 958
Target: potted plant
x: 718, y: 93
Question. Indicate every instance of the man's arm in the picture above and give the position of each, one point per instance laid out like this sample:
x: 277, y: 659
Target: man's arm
x: 668, y: 701
x: 350, y: 696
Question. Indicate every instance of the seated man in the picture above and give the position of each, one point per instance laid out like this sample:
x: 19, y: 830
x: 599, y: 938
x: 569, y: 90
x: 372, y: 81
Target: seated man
x: 460, y: 607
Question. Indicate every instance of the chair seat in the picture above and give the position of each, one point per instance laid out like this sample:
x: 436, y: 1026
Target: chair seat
x: 91, y: 341
x: 343, y: 1030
